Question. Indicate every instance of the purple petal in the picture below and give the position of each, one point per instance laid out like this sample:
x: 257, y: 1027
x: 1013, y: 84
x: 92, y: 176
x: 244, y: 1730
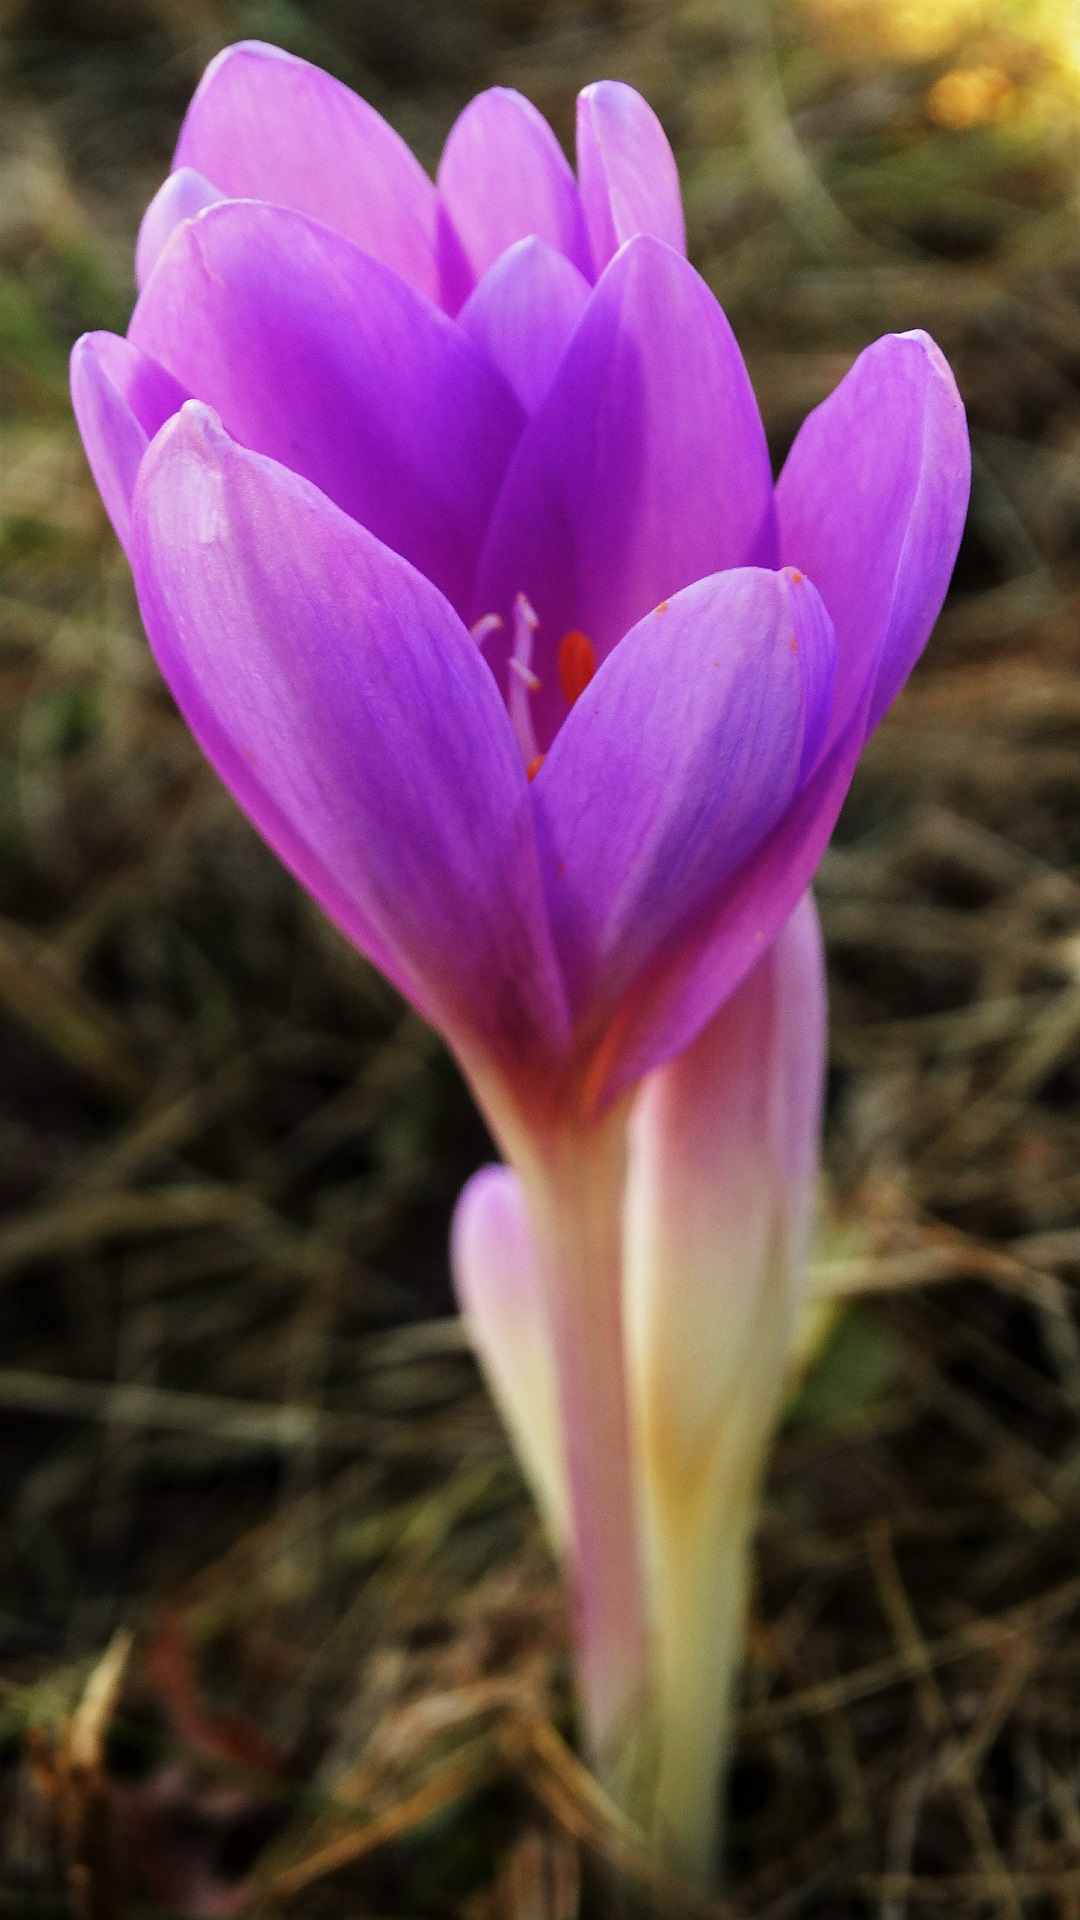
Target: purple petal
x: 523, y: 313
x: 499, y: 1285
x: 645, y: 468
x: 629, y: 180
x: 872, y: 502
x: 682, y: 991
x: 316, y: 354
x: 120, y: 397
x: 725, y: 1152
x: 340, y: 698
x: 184, y: 194
x: 267, y: 126
x: 676, y: 765
x: 503, y: 177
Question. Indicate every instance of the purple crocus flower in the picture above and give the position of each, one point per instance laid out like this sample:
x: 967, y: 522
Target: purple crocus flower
x: 454, y: 533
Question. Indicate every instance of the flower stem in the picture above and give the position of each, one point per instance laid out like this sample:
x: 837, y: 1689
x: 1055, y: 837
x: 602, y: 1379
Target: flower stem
x: 575, y: 1199
x: 700, y: 1643
x: 698, y: 1506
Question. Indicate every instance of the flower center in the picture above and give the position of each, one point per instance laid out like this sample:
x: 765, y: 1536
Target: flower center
x: 575, y: 664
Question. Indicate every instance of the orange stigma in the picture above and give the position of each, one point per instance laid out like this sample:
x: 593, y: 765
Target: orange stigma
x: 577, y: 664
x: 534, y: 767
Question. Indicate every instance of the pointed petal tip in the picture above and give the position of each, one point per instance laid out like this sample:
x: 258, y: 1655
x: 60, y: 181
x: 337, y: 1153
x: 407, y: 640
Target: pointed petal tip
x: 531, y: 247
x: 872, y: 500
x: 181, y: 481
x: 944, y: 380
x: 920, y: 352
x: 627, y: 172
x: 919, y: 337
x: 523, y: 312
x: 184, y: 195
x: 254, y: 50
x: 196, y: 424
x: 80, y: 350
x: 649, y: 249
x: 613, y: 93
x: 234, y: 55
x: 266, y: 123
x: 120, y: 399
x: 88, y: 367
x: 513, y: 94
x: 503, y: 175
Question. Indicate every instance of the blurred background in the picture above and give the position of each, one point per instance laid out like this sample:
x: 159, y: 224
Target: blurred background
x: 277, y: 1629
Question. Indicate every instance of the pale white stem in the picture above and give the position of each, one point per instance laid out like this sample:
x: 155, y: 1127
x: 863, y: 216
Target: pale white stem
x: 575, y: 1199
x: 538, y: 1249
x: 720, y: 1187
x: 701, y: 1649
x: 698, y: 1510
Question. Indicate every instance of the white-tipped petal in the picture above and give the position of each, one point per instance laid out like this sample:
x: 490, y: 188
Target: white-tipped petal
x: 499, y: 1291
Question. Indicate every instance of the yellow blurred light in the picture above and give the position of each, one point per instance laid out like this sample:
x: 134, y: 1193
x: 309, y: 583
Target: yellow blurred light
x: 922, y: 29
x: 969, y: 97
x: 1015, y: 59
x: 901, y: 29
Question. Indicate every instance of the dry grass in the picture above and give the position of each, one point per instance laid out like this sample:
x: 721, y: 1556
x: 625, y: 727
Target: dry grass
x: 274, y: 1601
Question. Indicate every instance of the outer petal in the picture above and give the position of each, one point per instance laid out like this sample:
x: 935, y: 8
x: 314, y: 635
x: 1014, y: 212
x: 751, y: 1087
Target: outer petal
x: 645, y: 468
x: 680, y: 993
x: 121, y: 397
x: 352, y: 716
x: 268, y: 126
x: 674, y: 768
x: 184, y: 194
x: 315, y: 354
x: 500, y: 1292
x: 504, y: 176
x: 724, y: 1147
x: 722, y: 1186
x: 629, y: 180
x: 523, y: 313
x: 872, y: 502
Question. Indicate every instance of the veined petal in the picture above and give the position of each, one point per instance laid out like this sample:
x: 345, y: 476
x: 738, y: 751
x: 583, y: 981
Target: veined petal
x: 872, y: 502
x: 267, y: 126
x: 645, y: 468
x: 677, y: 997
x: 184, y: 194
x: 120, y: 397
x: 523, y: 313
x: 627, y: 172
x: 316, y: 354
x: 500, y: 1292
x: 503, y: 176
x: 674, y: 768
x: 339, y: 697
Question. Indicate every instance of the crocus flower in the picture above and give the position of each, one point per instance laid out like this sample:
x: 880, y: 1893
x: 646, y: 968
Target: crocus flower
x: 454, y: 533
